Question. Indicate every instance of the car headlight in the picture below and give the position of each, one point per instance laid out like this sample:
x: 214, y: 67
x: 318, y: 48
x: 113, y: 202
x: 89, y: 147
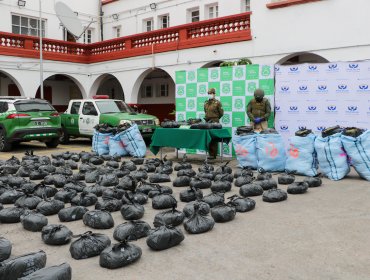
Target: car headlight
x: 157, y: 122
x: 125, y: 121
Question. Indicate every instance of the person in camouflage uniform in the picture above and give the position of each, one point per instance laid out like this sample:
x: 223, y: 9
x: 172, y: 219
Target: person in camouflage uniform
x: 214, y: 112
x: 259, y: 110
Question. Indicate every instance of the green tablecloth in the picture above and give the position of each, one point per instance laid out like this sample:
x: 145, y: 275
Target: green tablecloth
x: 187, y: 138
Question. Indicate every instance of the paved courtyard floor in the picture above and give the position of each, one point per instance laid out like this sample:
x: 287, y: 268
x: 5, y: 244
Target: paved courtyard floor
x: 323, y: 234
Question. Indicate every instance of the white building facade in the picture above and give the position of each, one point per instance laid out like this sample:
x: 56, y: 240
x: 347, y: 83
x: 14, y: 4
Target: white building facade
x: 145, y: 43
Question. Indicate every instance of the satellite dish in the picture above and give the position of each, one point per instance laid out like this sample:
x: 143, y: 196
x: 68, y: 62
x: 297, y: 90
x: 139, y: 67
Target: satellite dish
x: 69, y: 19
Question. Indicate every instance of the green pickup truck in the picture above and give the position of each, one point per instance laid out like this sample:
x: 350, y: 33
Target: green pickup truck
x: 83, y: 114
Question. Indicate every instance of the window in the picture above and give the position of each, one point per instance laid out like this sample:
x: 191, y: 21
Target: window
x: 89, y: 109
x: 163, y: 91
x: 111, y: 106
x: 3, y: 107
x: 148, y: 25
x: 247, y: 5
x: 193, y: 15
x: 75, y: 108
x: 32, y: 106
x: 87, y: 36
x: 164, y: 21
x: 118, y: 31
x: 27, y: 25
x: 147, y: 92
x: 213, y: 11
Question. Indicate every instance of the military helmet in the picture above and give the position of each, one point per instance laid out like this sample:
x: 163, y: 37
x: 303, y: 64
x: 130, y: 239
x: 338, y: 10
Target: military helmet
x: 259, y: 93
x: 212, y: 91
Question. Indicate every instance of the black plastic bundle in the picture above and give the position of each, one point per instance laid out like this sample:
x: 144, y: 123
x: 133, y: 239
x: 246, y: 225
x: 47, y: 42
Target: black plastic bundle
x: 186, y: 172
x: 57, y: 162
x: 206, y: 168
x: 139, y: 197
x: 47, y: 168
x: 223, y: 213
x: 224, y: 177
x: 42, y: 189
x: 331, y: 131
x: 221, y: 186
x: 181, y: 181
x: 245, y: 171
x: 313, y: 182
x: 193, y: 121
x: 98, y: 219
x: 105, y: 128
x: 214, y: 199
x: 160, y: 190
x: 73, y: 213
x: 92, y: 176
x: 131, y: 210
x: 128, y: 165
x: 75, y: 185
x: 50, y: 206
x: 154, y: 161
x: 57, y: 272
x: 164, y: 237
x: 109, y: 204
x: 137, y: 161
x: 297, y: 188
x: 65, y: 195
x: 198, y: 222
x: 119, y: 255
x: 63, y: 170
x: 267, y: 184
x: 183, y: 164
x: 128, y: 183
x: 171, y: 217
x: 28, y: 200
x: 95, y: 189
x: 11, y: 215
x: 86, y: 167
x: 88, y: 245
x: 21, y: 266
x: 96, y: 160
x: 59, y: 180
x: 33, y: 221
x: 123, y: 127
x: 303, y: 132
x: 200, y: 183
x: 10, y: 196
x: 190, y: 194
x: 274, y: 195
x: 243, y: 180
x: 204, y: 208
x: 163, y: 201
x: 5, y: 249
x: 286, y: 179
x: 263, y: 175
x: 84, y: 199
x: 139, y: 175
x: 241, y: 204
x: 56, y: 234
x: 353, y: 131
x: 115, y: 193
x: 208, y: 125
x: 164, y: 169
x: 159, y: 178
x: 169, y: 124
x: 223, y: 169
x: 269, y: 131
x: 149, y: 168
x: 113, y: 164
x: 245, y: 130
x: 251, y: 189
x: 1, y: 207
x: 131, y: 230
x: 210, y: 176
x: 108, y: 180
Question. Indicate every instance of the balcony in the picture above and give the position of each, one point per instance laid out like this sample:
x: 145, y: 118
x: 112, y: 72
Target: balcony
x: 235, y: 28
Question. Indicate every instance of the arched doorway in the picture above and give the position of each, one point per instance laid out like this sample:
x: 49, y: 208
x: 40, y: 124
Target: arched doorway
x: 59, y: 90
x: 215, y: 63
x: 9, y: 86
x: 108, y: 84
x: 303, y: 57
x: 156, y: 93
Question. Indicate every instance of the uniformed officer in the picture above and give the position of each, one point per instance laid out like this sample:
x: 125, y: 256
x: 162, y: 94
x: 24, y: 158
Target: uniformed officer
x: 259, y: 110
x: 214, y: 112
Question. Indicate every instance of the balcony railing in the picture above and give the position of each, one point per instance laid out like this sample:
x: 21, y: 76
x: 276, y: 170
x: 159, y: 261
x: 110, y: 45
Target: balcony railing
x: 223, y: 30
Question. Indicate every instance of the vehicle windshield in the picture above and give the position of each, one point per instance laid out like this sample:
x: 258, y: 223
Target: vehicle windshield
x: 113, y: 106
x: 32, y: 106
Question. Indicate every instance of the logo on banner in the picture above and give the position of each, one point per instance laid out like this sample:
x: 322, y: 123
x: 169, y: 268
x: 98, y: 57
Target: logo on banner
x: 252, y: 87
x: 180, y: 117
x: 214, y: 74
x: 312, y: 69
x: 302, y: 89
x: 202, y: 89
x: 353, y: 67
x: 333, y: 68
x: 238, y: 103
x: 293, y: 109
x: 226, y: 119
x: 284, y: 128
x: 226, y: 88
x: 180, y: 90
x: 191, y: 76
x: 331, y: 109
x: 266, y: 70
x: 302, y: 127
x: 320, y: 128
x: 312, y: 109
x: 191, y: 104
x: 239, y: 72
x: 364, y: 88
x: 352, y: 110
x: 277, y: 109
x: 322, y: 89
x: 284, y: 89
x: 294, y: 70
x: 342, y: 88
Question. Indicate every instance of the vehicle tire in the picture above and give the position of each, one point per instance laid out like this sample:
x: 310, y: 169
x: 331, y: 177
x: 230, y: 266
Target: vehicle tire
x: 64, y: 137
x: 5, y: 145
x: 52, y: 143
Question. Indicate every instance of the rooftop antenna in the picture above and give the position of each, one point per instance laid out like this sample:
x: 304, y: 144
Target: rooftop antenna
x: 69, y: 20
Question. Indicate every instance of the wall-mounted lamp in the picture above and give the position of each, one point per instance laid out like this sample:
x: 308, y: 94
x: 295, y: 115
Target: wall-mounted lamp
x: 115, y: 16
x: 153, y: 6
x: 21, y: 3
